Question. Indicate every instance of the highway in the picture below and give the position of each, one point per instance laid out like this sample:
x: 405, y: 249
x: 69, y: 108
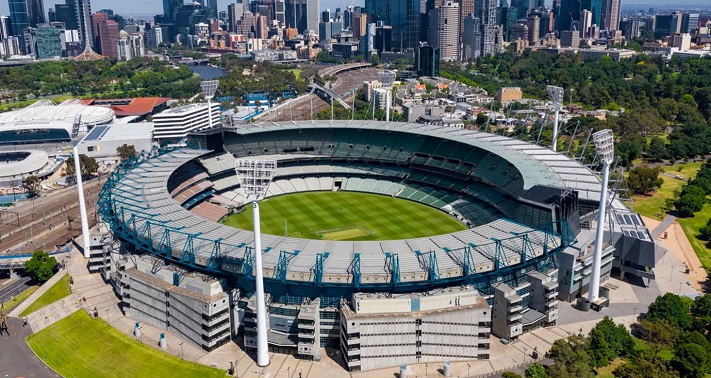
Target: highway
x: 46, y: 222
x: 14, y: 288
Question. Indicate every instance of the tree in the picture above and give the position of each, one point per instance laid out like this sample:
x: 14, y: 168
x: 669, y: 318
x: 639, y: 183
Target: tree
x: 657, y: 149
x: 536, y: 370
x: 672, y: 308
x: 34, y: 185
x: 571, y: 358
x: 643, y: 180
x: 659, y: 334
x: 88, y: 165
x: 617, y: 337
x: 691, y: 200
x: 598, y: 349
x: 41, y: 266
x: 510, y: 374
x: 126, y: 152
x: 644, y: 368
x: 691, y: 360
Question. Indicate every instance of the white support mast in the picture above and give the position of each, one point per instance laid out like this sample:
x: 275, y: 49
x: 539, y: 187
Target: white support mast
x: 556, y: 94
x: 387, y: 78
x: 254, y: 178
x: 606, y: 152
x: 80, y: 186
x: 209, y: 88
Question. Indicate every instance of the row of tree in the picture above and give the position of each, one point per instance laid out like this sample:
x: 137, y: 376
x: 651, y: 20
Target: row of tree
x: 676, y: 328
x: 693, y: 194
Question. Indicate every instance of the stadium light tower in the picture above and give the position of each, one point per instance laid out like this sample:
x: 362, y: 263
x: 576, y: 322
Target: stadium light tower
x: 606, y: 152
x: 254, y: 178
x: 74, y: 137
x: 387, y: 78
x: 209, y: 88
x: 556, y: 94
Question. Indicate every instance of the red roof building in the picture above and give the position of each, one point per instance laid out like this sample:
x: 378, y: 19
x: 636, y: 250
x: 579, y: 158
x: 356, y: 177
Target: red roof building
x: 137, y: 107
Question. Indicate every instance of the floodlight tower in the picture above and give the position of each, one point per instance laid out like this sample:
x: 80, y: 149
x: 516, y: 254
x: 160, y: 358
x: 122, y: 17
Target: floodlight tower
x: 209, y: 88
x: 74, y: 137
x: 387, y: 78
x: 254, y: 179
x: 606, y: 152
x: 556, y: 94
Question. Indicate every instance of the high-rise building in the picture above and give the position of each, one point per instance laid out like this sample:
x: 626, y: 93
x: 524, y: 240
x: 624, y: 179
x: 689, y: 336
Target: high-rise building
x: 383, y: 37
x: 471, y: 38
x: 690, y: 23
x: 303, y: 15
x: 82, y: 10
x: 49, y: 43
x: 466, y: 7
x: 360, y: 20
x: 71, y: 43
x: 427, y: 60
x: 279, y: 11
x: 19, y: 16
x: 491, y: 33
x: 534, y: 29
x: 35, y: 12
x: 5, y: 27
x: 662, y: 25
x: 235, y: 11
x: 154, y: 37
x: 129, y: 46
x: 611, y: 14
x: 595, y: 8
x: 586, y: 23
x: 169, y: 9
x: 107, y: 34
x: 568, y: 11
x: 405, y: 17
x: 443, y: 32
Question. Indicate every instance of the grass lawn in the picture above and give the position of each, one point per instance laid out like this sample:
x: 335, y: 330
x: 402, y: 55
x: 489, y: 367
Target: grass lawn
x: 653, y: 205
x: 347, y: 216
x: 58, y: 291
x: 79, y: 346
x: 691, y: 228
x: 296, y: 72
x: 606, y: 372
x: 9, y: 305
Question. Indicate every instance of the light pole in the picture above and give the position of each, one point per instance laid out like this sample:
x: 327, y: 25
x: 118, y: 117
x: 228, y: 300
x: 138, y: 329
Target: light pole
x: 181, y: 349
x: 107, y: 315
x: 634, y: 315
x: 209, y: 88
x: 556, y: 94
x: 387, y: 78
x: 254, y: 178
x: 74, y: 137
x: 606, y: 151
x: 426, y: 367
x: 468, y: 367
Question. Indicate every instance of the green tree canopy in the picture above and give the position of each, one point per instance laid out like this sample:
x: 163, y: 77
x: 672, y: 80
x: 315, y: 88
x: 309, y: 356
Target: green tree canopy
x: 536, y: 370
x: 126, y: 151
x: 691, y: 360
x: 41, y: 266
x: 643, y: 180
x: 88, y: 166
x: 34, y: 185
x: 672, y: 308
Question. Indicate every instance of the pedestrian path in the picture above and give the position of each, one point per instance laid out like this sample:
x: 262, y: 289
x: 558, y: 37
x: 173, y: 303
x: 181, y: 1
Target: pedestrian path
x: 666, y: 222
x: 53, y: 313
x: 32, y: 298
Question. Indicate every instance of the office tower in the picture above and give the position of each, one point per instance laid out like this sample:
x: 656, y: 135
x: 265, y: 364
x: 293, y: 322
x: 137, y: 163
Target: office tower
x: 427, y: 60
x: 383, y: 37
x: 360, y: 20
x: 677, y: 21
x: 35, y: 12
x: 525, y: 7
x: 534, y: 29
x: 367, y: 43
x: 378, y: 10
x: 49, y: 43
x: 471, y: 38
x: 129, y: 46
x: 690, y: 23
x: 65, y: 13
x: 211, y: 6
x: 491, y: 34
x: 595, y: 8
x: 106, y: 34
x: 662, y: 25
x: 518, y: 32
x: 82, y: 10
x: 611, y: 14
x: 466, y: 7
x: 5, y: 27
x: 279, y: 11
x: 19, y: 16
x: 568, y: 11
x: 154, y: 37
x: 570, y: 38
x: 234, y: 14
x: 444, y: 30
x: 586, y: 23
x: 97, y: 18
x: 169, y: 9
x: 71, y: 43
x: 302, y: 15
x: 29, y: 41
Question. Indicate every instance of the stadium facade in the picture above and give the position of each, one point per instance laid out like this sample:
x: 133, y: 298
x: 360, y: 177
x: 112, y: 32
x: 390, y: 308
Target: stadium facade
x: 529, y: 241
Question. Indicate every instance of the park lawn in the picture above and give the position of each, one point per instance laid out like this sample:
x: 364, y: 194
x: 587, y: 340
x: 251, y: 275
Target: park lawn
x: 691, y: 227
x: 58, y: 291
x: 12, y: 303
x: 347, y: 216
x: 79, y: 346
x: 653, y: 205
x: 641, y: 346
x: 296, y: 72
x: 606, y: 372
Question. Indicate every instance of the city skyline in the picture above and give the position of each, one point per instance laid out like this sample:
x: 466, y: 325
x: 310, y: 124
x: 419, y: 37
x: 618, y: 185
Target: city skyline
x: 128, y: 8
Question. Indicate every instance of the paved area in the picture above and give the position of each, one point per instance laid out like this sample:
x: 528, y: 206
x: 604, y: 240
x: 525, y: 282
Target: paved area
x: 43, y: 289
x: 16, y: 357
x: 666, y: 222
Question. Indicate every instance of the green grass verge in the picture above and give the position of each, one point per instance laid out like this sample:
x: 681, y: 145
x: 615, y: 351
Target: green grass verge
x: 347, y: 216
x: 79, y: 346
x: 653, y: 205
x: 12, y: 303
x: 691, y: 227
x: 58, y: 291
x: 606, y: 372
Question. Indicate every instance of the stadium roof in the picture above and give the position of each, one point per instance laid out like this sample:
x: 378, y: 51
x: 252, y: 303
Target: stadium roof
x: 34, y: 161
x: 49, y: 115
x: 128, y: 131
x: 123, y: 107
x: 538, y: 165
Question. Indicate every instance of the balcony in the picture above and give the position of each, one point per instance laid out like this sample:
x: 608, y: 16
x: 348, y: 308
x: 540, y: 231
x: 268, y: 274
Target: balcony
x: 515, y: 308
x: 515, y: 317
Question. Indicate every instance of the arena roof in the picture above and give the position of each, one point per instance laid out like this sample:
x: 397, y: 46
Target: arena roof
x: 48, y: 115
x: 124, y: 107
x: 33, y: 162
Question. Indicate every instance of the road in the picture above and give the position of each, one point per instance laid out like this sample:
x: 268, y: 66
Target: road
x: 46, y: 222
x: 301, y: 108
x: 14, y: 288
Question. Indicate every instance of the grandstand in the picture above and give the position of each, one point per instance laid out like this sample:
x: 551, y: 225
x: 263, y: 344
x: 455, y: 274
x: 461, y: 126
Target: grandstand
x: 524, y: 204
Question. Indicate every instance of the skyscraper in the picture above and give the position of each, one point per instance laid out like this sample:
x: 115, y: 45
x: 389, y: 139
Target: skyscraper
x: 18, y: 15
x: 443, y: 32
x: 108, y: 34
x: 595, y: 8
x: 568, y: 11
x: 49, y: 43
x: 302, y: 14
x: 471, y: 38
x: 491, y: 34
x: 169, y: 9
x: 5, y: 27
x: 82, y: 10
x: 611, y: 14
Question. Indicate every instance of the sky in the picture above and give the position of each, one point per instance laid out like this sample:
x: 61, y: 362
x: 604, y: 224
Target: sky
x: 142, y: 8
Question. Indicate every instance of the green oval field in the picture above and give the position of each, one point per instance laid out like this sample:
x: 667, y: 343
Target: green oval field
x: 346, y: 216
